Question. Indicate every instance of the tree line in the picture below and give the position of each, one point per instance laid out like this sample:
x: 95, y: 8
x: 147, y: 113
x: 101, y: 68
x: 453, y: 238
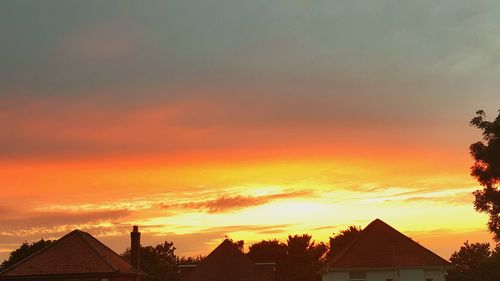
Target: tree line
x: 299, y: 258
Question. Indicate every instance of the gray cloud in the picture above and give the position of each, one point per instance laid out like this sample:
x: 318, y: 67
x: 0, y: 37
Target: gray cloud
x: 322, y: 70
x: 250, y: 40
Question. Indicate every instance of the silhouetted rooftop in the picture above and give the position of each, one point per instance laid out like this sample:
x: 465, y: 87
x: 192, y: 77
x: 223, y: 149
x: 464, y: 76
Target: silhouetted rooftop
x: 226, y: 263
x: 380, y: 245
x: 75, y: 253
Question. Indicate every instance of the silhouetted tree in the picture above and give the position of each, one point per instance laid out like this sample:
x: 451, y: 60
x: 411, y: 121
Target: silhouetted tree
x: 267, y: 251
x: 304, y: 258
x: 475, y: 262
x: 342, y: 239
x: 24, y: 251
x: 159, y: 262
x: 270, y: 251
x: 299, y: 259
x: 191, y: 260
x: 486, y: 170
x: 239, y: 244
x: 491, y: 266
x: 470, y: 256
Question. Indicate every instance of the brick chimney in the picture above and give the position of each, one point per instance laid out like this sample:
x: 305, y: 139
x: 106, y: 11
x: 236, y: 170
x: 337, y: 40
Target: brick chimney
x: 135, y: 246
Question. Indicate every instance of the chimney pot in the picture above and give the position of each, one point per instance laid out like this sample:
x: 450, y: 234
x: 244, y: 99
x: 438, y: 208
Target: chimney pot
x: 135, y: 247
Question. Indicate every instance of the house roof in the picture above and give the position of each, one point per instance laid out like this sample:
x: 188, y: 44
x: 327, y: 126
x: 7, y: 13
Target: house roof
x: 75, y: 253
x: 380, y: 245
x: 226, y: 263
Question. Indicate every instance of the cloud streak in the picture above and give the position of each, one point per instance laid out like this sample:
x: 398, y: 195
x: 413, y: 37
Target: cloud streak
x: 463, y: 198
x: 16, y: 221
x: 227, y: 203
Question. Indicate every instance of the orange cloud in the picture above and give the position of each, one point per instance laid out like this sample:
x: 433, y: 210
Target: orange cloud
x: 227, y: 203
x: 172, y: 123
x: 49, y: 219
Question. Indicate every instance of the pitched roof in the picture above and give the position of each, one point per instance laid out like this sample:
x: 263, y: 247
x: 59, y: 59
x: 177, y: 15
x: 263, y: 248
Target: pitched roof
x: 380, y: 245
x: 75, y: 253
x: 226, y: 263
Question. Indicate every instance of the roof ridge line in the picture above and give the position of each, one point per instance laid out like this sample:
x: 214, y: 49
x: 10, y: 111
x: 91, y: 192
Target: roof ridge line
x: 350, y: 245
x: 214, y: 250
x: 97, y: 251
x: 415, y: 242
x: 114, y: 253
x: 214, y: 265
x: 36, y: 253
x: 408, y: 239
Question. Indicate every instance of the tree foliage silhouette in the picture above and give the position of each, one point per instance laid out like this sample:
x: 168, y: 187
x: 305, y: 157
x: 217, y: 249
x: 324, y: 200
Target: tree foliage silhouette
x: 486, y: 169
x: 342, y: 239
x: 24, y: 251
x: 475, y: 262
x: 299, y: 259
x: 470, y: 256
x: 240, y: 244
x: 159, y: 262
x: 191, y: 260
x: 270, y: 251
x: 304, y: 258
x: 267, y: 251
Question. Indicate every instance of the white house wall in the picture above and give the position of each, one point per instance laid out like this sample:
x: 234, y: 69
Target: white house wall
x: 336, y: 276
x: 411, y: 275
x: 436, y: 275
x: 383, y: 275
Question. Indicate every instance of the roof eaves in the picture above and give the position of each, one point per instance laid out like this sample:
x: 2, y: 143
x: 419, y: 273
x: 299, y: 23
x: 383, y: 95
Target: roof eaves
x: 38, y: 276
x: 336, y: 269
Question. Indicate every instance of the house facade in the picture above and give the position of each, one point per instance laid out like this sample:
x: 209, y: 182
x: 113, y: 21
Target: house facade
x: 386, y: 274
x: 77, y: 256
x: 381, y: 253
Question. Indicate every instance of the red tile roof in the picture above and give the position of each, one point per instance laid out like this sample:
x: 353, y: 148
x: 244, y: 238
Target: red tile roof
x: 380, y: 245
x: 75, y: 253
x: 226, y: 263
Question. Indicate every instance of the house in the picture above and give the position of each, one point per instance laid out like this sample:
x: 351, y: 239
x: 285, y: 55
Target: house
x: 381, y: 253
x: 227, y: 263
x: 77, y: 256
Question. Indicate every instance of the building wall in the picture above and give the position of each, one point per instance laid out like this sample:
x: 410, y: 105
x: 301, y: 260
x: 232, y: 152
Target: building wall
x: 336, y: 276
x: 436, y: 275
x: 412, y: 275
x: 383, y: 275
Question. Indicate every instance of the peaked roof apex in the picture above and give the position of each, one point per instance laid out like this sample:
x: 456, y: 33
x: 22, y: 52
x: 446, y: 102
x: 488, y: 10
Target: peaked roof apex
x: 226, y: 262
x: 381, y: 245
x: 58, y: 258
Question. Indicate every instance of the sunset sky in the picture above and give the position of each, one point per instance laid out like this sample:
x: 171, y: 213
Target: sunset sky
x: 253, y: 119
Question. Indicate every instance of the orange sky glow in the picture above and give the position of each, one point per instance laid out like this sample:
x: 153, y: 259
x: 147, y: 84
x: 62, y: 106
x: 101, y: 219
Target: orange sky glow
x: 195, y: 201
